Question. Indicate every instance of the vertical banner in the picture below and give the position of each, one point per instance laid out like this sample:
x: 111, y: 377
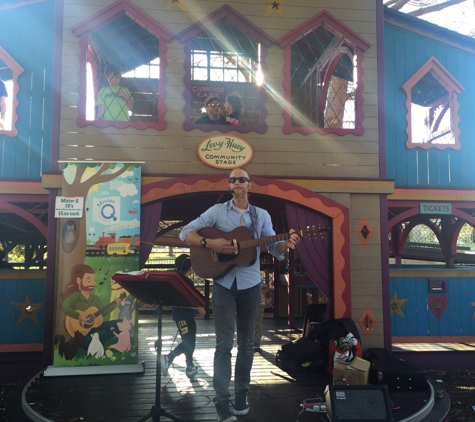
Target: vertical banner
x: 97, y: 320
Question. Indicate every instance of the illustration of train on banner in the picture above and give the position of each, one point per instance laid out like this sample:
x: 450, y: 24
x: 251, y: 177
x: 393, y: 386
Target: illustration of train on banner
x: 113, y: 246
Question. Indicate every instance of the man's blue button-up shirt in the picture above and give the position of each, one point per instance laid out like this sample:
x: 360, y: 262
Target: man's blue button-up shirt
x: 226, y: 217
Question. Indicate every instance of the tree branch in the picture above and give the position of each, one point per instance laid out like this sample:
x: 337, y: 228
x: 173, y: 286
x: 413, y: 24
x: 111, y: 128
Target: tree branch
x: 399, y: 4
x: 434, y: 8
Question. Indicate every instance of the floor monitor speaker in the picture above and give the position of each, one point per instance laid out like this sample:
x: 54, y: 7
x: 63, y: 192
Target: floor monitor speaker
x: 358, y: 403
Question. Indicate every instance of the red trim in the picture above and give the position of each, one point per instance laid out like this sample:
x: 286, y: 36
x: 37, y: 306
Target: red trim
x: 454, y: 89
x: 26, y: 215
x: 247, y: 27
x: 101, y: 18
x: 433, y: 339
x: 116, y: 9
x: 27, y: 347
x: 234, y: 18
x: 17, y: 70
x: 360, y: 45
x: 317, y: 20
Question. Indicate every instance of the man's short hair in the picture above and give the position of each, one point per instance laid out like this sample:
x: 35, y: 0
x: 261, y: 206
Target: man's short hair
x: 211, y: 98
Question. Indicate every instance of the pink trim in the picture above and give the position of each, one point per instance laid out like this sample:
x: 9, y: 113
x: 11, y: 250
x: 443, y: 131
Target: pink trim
x: 454, y: 89
x: 116, y: 9
x: 360, y: 45
x: 247, y: 27
x: 17, y: 70
x: 234, y: 18
x: 26, y: 215
x: 317, y: 20
x: 101, y: 18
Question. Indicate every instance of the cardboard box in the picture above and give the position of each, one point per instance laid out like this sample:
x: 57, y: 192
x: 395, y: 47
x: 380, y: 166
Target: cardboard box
x: 355, y: 372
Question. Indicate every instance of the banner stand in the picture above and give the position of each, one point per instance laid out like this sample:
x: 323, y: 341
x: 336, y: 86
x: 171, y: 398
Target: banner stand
x: 51, y: 371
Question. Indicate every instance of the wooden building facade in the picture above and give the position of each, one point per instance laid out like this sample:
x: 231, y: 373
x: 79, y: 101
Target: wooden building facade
x: 324, y: 123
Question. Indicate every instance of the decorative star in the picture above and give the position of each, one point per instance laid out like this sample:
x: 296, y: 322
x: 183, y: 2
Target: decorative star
x: 396, y: 305
x: 177, y: 3
x: 473, y: 304
x: 275, y: 6
x: 28, y: 310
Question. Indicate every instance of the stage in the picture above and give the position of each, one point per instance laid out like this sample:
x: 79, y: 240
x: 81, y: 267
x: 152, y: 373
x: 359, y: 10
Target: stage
x: 275, y: 395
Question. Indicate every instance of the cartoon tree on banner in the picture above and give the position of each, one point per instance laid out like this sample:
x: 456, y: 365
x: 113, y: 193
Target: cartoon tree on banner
x: 73, y: 244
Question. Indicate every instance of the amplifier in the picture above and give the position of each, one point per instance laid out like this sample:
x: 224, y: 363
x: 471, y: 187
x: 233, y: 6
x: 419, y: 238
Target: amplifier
x: 358, y: 403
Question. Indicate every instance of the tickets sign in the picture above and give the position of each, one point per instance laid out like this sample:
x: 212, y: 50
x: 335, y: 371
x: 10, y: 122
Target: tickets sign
x: 225, y: 152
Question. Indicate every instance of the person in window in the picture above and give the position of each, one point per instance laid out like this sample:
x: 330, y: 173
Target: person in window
x: 213, y: 111
x: 3, y: 104
x: 114, y: 101
x: 185, y: 321
x: 233, y: 108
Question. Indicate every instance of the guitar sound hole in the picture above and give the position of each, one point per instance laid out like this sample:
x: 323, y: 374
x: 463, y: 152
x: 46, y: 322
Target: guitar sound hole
x: 225, y: 257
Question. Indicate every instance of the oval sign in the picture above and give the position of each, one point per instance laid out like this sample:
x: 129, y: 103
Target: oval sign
x: 225, y: 152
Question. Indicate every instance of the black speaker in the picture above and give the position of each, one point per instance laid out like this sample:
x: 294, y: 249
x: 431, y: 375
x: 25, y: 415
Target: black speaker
x: 358, y: 403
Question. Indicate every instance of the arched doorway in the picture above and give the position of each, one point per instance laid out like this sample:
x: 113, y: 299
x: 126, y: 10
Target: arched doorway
x: 194, y: 194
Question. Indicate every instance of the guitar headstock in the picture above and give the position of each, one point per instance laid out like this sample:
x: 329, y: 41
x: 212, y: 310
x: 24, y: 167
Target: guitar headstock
x: 314, y: 231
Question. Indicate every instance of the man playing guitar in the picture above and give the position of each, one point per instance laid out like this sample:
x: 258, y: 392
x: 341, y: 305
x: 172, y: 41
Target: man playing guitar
x: 83, y: 308
x: 236, y: 294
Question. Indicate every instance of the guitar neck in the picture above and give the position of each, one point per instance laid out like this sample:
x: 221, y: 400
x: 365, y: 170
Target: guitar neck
x: 105, y: 308
x: 244, y: 244
x: 250, y: 243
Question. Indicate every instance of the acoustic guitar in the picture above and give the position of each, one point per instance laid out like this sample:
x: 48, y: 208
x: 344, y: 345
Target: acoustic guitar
x: 94, y: 318
x: 210, y: 264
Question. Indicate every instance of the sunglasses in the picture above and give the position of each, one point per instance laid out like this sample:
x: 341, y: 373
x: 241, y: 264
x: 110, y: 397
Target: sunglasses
x: 241, y: 179
x: 213, y: 104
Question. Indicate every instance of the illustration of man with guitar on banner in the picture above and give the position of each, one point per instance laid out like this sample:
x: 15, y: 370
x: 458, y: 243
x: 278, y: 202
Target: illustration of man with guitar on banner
x: 84, y: 310
x: 224, y: 245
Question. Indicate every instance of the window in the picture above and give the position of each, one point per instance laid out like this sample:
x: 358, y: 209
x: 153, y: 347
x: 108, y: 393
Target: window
x: 224, y: 57
x: 10, y: 70
x: 122, y: 78
x: 323, y: 77
x: 432, y: 104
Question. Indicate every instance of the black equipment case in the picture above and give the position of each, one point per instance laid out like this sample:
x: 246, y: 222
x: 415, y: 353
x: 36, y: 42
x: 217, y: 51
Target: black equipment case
x: 397, y: 374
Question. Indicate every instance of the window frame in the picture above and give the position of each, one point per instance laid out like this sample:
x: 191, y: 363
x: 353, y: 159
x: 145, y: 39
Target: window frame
x: 106, y: 16
x: 454, y: 89
x: 17, y: 70
x: 360, y: 45
x: 246, y: 27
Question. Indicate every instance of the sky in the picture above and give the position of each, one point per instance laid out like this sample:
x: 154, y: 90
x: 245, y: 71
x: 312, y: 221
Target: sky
x: 459, y: 18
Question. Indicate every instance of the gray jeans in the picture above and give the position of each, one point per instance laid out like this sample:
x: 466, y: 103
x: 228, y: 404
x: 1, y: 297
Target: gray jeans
x: 231, y: 307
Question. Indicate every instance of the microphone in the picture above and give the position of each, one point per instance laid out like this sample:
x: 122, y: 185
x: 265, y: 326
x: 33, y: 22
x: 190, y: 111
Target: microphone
x: 231, y: 191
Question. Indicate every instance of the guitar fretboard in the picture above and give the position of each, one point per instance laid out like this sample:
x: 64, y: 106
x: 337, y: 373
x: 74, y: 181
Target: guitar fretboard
x: 279, y: 237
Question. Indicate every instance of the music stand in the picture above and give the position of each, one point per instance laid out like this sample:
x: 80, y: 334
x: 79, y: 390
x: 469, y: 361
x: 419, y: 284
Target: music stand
x: 162, y: 288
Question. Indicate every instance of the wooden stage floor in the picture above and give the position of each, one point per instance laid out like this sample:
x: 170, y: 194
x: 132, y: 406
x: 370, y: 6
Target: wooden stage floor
x: 275, y: 395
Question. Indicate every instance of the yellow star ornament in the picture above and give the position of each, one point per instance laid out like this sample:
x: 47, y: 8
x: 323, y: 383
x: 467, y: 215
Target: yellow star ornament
x: 275, y: 6
x: 396, y: 305
x: 177, y: 3
x: 28, y: 310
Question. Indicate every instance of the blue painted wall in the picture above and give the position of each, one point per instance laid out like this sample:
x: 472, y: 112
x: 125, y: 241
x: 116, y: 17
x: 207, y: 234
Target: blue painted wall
x: 16, y: 289
x: 419, y: 320
x: 405, y: 52
x: 26, y: 33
